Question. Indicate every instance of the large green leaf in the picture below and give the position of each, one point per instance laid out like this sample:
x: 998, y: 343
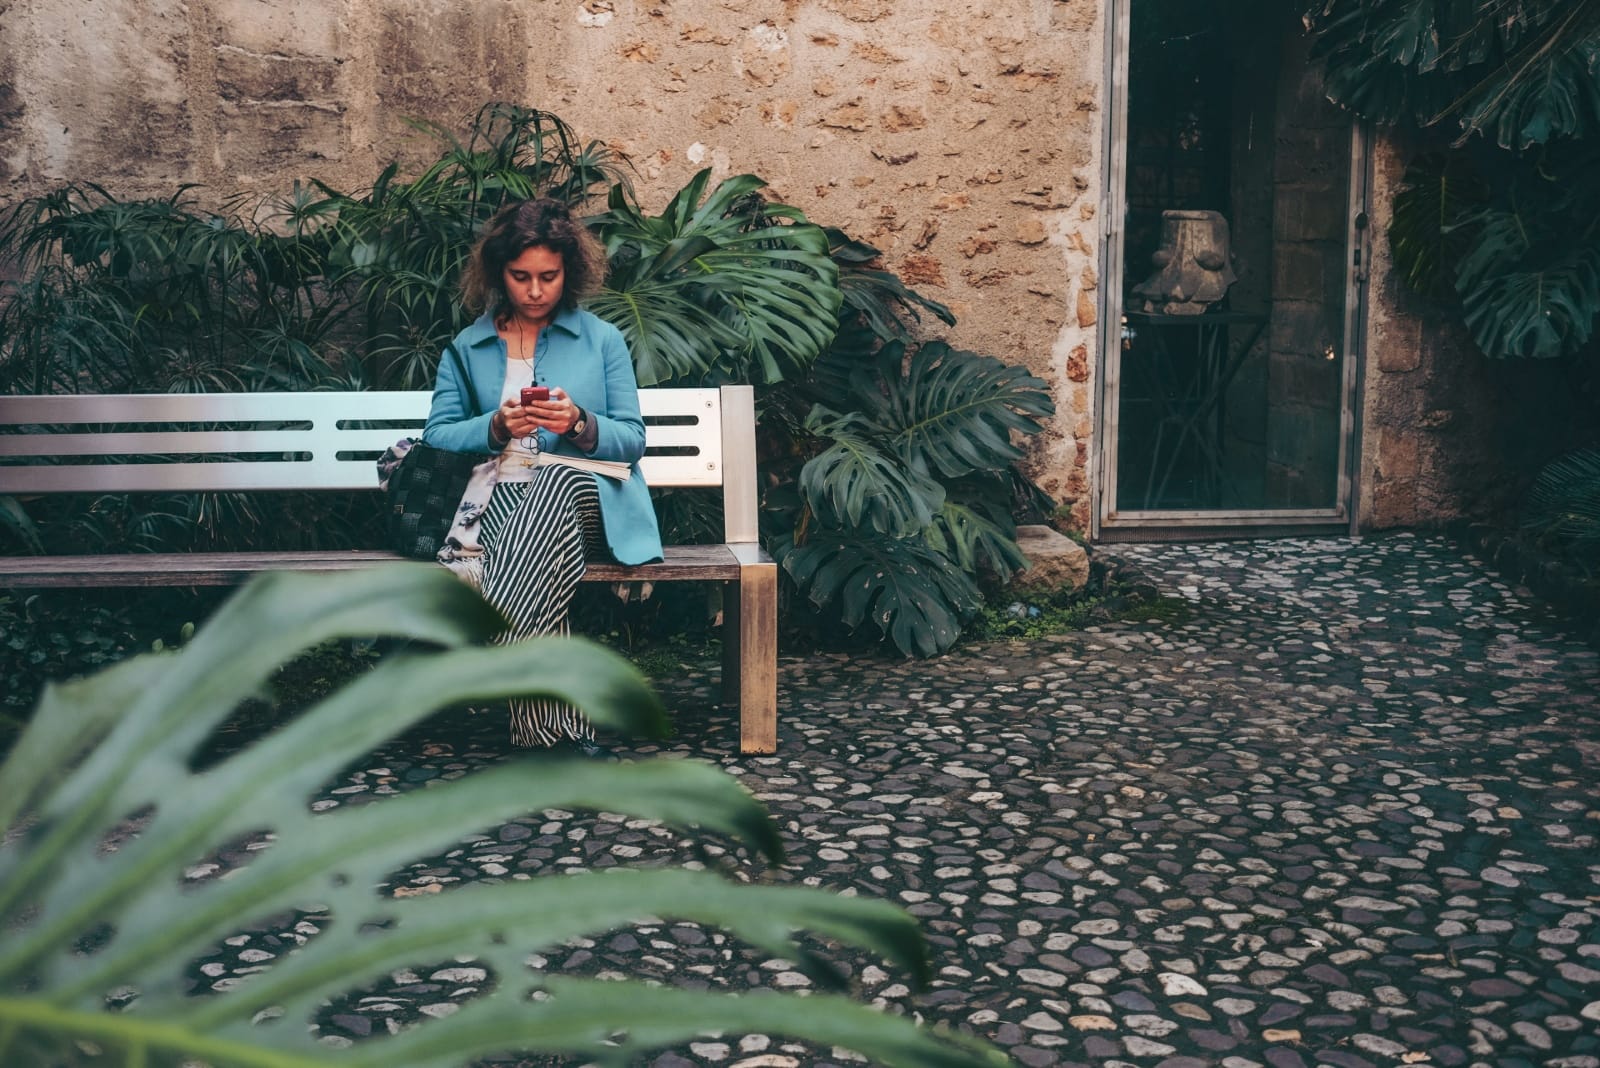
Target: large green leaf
x: 659, y: 1016
x: 974, y: 540
x: 954, y: 411
x: 877, y: 296
x: 915, y: 597
x: 1547, y: 94
x: 859, y: 481
x: 15, y: 520
x: 1546, y: 90
x: 1564, y: 504
x: 1537, y: 312
x: 734, y: 284
x: 1368, y: 50
x: 670, y: 333
x: 1428, y: 234
x: 1530, y: 282
x: 99, y: 940
x: 1525, y: 72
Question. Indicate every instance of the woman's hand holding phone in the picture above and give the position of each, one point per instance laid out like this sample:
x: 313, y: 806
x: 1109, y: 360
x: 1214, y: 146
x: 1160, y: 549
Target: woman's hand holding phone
x: 553, y: 410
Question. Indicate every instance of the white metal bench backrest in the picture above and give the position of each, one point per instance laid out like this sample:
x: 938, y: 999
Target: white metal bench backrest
x: 199, y: 442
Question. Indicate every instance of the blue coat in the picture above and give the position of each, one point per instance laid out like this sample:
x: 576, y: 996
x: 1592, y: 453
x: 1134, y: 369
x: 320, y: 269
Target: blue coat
x: 587, y: 357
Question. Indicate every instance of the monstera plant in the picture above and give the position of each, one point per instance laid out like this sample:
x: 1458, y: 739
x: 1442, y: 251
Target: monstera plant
x: 891, y: 462
x: 721, y: 287
x: 906, y: 492
x: 113, y: 803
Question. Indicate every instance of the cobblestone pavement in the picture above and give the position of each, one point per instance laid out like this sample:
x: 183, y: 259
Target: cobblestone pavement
x: 1346, y: 813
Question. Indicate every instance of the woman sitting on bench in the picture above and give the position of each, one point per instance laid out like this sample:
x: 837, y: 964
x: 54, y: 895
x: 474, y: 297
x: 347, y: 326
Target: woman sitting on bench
x: 553, y: 381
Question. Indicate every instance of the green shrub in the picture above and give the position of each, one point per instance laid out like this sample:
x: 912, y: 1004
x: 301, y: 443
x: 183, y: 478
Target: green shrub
x: 887, y: 461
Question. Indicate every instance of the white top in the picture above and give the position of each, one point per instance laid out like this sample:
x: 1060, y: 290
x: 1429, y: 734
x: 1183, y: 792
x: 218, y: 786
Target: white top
x: 517, y: 460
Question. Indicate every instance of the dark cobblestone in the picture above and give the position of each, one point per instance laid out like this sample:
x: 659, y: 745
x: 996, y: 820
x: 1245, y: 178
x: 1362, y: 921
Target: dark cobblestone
x: 1345, y: 814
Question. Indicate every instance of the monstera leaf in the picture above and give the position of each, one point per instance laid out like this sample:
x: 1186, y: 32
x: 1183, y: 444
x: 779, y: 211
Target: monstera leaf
x: 954, y: 411
x: 877, y: 297
x: 1530, y: 286
x: 1374, y: 54
x: 1429, y: 236
x: 910, y: 593
x: 734, y: 285
x: 1536, y: 313
x: 971, y: 539
x: 1537, y: 98
x: 1524, y: 72
x: 921, y: 459
x: 107, y: 816
x: 857, y: 481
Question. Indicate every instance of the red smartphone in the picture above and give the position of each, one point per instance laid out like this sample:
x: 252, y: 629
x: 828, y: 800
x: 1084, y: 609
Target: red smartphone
x: 535, y: 393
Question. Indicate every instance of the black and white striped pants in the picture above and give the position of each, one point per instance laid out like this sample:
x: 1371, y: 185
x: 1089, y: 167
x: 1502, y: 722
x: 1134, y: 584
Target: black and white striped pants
x: 535, y: 537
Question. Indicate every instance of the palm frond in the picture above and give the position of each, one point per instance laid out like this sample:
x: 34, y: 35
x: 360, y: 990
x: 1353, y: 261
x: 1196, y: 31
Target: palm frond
x: 1563, y: 504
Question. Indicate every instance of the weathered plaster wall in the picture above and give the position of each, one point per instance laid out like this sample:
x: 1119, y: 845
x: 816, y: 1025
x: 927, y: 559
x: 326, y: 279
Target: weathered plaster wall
x: 961, y: 139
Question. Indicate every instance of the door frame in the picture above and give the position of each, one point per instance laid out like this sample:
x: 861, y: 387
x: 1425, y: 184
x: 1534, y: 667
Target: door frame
x: 1105, y: 522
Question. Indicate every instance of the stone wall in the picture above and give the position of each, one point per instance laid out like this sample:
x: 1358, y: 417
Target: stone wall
x: 962, y: 140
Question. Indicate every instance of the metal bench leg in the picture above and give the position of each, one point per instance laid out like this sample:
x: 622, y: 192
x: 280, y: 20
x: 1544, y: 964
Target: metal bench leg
x: 750, y: 656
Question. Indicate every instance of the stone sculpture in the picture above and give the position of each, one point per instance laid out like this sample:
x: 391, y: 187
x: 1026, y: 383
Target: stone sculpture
x: 1194, y: 266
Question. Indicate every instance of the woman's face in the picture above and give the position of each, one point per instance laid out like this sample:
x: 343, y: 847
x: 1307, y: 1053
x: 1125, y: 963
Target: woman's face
x: 534, y: 283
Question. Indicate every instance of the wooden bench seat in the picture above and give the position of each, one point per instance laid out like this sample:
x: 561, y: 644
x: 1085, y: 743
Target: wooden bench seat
x: 263, y: 442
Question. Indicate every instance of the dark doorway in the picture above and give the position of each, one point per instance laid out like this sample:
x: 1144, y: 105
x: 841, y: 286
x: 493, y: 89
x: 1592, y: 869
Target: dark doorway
x: 1228, y: 386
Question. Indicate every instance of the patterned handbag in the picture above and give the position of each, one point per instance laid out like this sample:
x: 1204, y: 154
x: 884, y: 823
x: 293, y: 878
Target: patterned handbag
x: 423, y: 485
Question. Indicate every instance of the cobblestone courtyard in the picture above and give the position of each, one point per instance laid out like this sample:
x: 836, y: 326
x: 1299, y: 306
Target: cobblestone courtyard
x: 1345, y: 813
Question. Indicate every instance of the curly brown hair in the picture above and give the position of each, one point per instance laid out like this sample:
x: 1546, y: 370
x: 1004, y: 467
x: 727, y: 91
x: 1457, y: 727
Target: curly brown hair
x: 519, y: 226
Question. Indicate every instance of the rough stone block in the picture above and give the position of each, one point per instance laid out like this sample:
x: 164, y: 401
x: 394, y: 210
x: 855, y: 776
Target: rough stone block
x: 11, y: 113
x: 1398, y: 455
x: 1302, y: 328
x: 1304, y: 271
x: 1306, y: 213
x: 1303, y: 453
x: 1398, y: 352
x: 107, y: 98
x: 1055, y: 561
x: 267, y: 142
x: 1314, y: 156
x: 282, y: 27
x: 1393, y: 504
x: 443, y: 61
x: 245, y: 75
x: 1078, y: 364
x: 1309, y: 381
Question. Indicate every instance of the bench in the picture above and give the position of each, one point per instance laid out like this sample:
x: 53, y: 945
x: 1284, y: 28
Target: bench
x: 249, y: 442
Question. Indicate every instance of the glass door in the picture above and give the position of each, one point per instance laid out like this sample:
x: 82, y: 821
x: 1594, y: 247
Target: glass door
x: 1229, y: 359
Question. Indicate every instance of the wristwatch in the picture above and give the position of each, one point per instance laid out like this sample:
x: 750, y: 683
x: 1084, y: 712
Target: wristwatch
x: 577, y: 427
